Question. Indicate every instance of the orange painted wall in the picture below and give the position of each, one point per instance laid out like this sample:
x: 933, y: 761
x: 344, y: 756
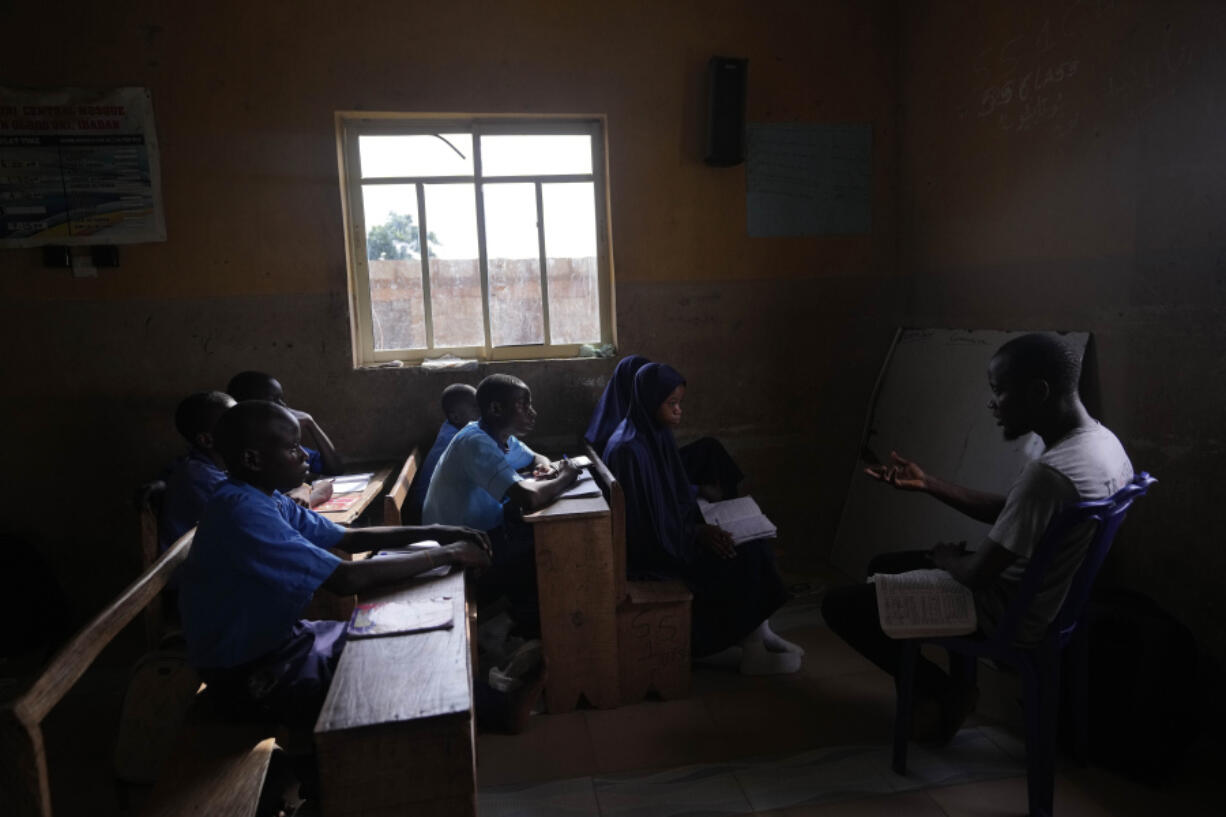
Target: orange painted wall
x: 244, y: 95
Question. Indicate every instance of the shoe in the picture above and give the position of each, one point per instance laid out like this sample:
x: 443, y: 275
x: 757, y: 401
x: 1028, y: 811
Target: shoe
x: 518, y: 668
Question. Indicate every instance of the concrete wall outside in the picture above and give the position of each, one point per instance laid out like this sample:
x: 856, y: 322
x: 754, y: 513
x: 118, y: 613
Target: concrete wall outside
x: 1063, y: 168
x: 780, y: 337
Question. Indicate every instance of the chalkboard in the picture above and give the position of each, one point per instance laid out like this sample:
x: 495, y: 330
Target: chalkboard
x: 930, y: 405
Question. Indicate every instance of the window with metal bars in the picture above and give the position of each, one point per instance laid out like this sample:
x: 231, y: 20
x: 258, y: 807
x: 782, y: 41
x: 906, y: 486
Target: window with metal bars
x: 483, y: 237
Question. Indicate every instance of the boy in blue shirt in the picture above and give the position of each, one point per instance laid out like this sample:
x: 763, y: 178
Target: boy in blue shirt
x: 323, y: 459
x: 258, y: 558
x: 476, y: 484
x: 193, y: 478
x: 459, y: 404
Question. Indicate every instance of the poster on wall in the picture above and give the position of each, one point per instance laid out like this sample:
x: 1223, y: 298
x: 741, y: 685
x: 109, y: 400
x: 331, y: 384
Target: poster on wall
x: 78, y: 166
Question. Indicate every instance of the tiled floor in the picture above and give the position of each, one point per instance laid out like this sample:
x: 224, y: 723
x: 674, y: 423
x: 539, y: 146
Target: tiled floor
x: 810, y: 744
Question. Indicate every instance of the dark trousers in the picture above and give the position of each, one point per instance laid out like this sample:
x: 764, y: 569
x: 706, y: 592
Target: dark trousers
x: 289, y: 684
x: 851, y: 612
x: 513, y: 574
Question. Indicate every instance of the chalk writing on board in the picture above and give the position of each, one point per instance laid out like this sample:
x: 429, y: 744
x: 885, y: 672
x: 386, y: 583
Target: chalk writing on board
x: 809, y: 179
x: 1088, y: 58
x: 1025, y: 80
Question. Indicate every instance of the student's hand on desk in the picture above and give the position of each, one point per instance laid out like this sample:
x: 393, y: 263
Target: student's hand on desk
x: 321, y: 492
x: 445, y: 534
x: 901, y: 473
x: 718, y: 540
x: 545, y: 471
x: 468, y: 553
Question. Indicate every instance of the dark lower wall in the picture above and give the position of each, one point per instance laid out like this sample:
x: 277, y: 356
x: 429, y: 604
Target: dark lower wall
x: 780, y: 370
x: 1063, y: 168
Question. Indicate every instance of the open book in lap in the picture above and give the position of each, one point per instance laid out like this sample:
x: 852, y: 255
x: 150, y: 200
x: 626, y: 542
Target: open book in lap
x: 923, y: 603
x: 740, y: 517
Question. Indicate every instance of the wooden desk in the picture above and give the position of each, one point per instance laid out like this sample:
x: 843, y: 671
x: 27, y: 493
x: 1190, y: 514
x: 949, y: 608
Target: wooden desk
x: 373, y: 490
x: 577, y: 582
x: 395, y: 735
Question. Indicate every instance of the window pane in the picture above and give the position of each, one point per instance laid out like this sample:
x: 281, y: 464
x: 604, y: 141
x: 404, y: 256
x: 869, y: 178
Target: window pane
x: 455, y: 276
x: 417, y: 155
x: 512, y: 247
x: 570, y: 262
x: 398, y: 315
x: 536, y: 155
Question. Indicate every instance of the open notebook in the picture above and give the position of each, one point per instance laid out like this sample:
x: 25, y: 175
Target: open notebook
x: 740, y: 517
x: 923, y: 603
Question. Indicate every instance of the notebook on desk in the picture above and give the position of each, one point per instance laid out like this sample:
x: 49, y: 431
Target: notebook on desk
x: 378, y: 618
x: 583, y: 487
x: 343, y: 502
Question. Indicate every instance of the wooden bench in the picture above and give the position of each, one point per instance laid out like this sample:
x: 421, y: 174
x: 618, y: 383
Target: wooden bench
x: 149, y: 499
x: 219, y: 770
x: 393, y: 502
x: 653, y: 617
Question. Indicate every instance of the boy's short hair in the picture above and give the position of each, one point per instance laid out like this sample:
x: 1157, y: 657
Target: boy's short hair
x: 456, y: 395
x: 250, y: 385
x: 247, y: 425
x: 498, y: 388
x: 1044, y: 356
x: 199, y: 412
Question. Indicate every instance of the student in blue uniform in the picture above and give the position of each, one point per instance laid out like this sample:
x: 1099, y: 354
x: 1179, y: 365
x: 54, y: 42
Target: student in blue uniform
x: 735, y: 587
x: 708, y: 465
x: 323, y: 459
x: 193, y: 477
x: 258, y: 558
x: 477, y: 484
x: 459, y: 404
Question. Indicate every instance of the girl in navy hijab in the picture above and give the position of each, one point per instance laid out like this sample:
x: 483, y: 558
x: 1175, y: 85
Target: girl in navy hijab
x: 735, y: 587
x: 707, y: 463
x: 614, y: 403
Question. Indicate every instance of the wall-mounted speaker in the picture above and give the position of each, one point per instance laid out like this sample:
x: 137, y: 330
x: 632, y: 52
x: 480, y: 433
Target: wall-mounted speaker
x: 726, y: 83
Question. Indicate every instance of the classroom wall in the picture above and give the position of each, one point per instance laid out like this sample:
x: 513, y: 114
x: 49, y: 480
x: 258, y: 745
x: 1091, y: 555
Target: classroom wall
x: 780, y: 337
x: 1063, y: 167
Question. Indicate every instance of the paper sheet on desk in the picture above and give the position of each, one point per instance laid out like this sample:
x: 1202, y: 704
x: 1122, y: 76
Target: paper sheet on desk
x: 391, y: 617
x: 585, y: 486
x: 426, y: 544
x: 351, y: 483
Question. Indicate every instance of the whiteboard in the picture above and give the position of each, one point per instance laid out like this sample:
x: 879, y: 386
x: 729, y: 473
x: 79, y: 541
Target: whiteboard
x: 930, y: 405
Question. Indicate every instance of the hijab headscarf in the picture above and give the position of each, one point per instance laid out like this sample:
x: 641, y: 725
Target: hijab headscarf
x: 614, y: 403
x: 661, y: 514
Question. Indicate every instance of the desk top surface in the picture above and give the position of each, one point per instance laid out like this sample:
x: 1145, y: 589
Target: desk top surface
x: 373, y: 489
x: 570, y: 508
x: 395, y: 678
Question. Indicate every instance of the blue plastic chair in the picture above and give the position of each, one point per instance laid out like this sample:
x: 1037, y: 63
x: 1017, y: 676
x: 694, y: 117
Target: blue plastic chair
x: 1038, y: 664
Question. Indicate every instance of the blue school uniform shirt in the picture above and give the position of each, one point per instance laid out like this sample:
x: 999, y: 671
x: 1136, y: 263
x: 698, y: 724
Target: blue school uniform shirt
x: 421, y: 482
x: 470, y: 484
x: 255, y: 563
x: 191, y: 483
